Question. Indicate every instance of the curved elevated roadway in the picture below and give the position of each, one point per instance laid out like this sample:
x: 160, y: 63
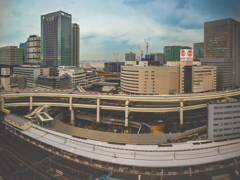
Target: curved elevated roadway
x: 173, y: 155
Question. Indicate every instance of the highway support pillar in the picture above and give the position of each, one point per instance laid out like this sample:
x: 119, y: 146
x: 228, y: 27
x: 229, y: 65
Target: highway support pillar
x: 31, y: 101
x: 181, y: 113
x: 98, y: 109
x: 2, y: 107
x: 2, y: 103
x: 72, y: 117
x: 72, y: 111
x: 126, y: 113
x: 70, y: 103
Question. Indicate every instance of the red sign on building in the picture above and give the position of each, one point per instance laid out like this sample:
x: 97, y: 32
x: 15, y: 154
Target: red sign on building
x: 186, y: 55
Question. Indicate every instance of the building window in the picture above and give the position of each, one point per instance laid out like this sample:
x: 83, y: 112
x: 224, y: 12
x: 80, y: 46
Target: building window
x: 152, y: 71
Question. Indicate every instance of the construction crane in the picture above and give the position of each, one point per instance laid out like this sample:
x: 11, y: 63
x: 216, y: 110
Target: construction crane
x: 141, y: 51
x: 116, y: 57
x: 146, y: 46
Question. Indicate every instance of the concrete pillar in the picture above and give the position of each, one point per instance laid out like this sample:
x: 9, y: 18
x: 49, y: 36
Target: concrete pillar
x: 72, y: 117
x: 126, y: 113
x: 31, y: 101
x: 98, y: 109
x: 2, y: 103
x: 70, y: 103
x: 181, y: 113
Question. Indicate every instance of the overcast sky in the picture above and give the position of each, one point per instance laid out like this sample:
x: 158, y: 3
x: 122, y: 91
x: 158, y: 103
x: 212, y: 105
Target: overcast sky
x: 119, y: 26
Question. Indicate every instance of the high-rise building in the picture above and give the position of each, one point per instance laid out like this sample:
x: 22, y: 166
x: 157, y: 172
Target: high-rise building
x: 198, y: 49
x: 172, y: 53
x: 159, y: 57
x: 11, y: 55
x: 221, y: 41
x: 130, y: 56
x: 24, y: 47
x: 56, y: 37
x: 75, y: 44
x: 34, y: 50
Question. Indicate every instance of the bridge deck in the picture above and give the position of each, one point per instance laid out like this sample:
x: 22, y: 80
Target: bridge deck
x: 118, y: 138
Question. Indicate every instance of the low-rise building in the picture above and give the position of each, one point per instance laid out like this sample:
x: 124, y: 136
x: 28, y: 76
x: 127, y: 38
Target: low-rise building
x: 31, y: 72
x: 173, y: 78
x: 77, y: 75
x: 113, y: 66
x: 19, y: 81
x: 224, y: 119
x: 17, y: 121
x: 55, y: 82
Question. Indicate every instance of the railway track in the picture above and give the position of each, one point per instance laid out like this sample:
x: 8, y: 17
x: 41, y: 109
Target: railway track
x: 32, y: 154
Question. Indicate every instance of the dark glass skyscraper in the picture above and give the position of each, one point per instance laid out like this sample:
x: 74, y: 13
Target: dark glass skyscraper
x: 222, y: 49
x: 75, y: 44
x: 198, y: 49
x: 56, y: 37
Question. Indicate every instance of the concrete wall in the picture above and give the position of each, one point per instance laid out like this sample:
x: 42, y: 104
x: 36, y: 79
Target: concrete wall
x: 223, y: 120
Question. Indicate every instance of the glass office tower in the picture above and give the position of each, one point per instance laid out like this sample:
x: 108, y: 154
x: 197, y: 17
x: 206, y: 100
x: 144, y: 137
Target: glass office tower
x: 172, y: 53
x: 56, y: 37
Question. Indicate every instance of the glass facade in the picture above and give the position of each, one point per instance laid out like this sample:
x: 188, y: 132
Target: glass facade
x: 24, y: 47
x: 198, y: 49
x: 56, y: 33
x: 172, y: 53
x: 11, y: 55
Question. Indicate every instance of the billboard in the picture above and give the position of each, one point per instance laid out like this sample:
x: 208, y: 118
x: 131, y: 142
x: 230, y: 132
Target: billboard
x: 5, y: 71
x: 186, y: 55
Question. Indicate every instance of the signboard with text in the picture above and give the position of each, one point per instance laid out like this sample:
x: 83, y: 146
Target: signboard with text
x: 186, y: 55
x: 5, y: 71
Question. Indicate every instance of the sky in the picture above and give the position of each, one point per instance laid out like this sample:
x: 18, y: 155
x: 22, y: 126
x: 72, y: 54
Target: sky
x: 119, y: 26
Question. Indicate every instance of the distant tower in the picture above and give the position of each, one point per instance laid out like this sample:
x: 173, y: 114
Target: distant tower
x: 56, y: 37
x: 24, y: 47
x: 75, y: 45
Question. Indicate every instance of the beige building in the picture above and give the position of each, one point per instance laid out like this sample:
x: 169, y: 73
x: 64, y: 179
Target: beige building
x: 173, y: 78
x: 17, y: 121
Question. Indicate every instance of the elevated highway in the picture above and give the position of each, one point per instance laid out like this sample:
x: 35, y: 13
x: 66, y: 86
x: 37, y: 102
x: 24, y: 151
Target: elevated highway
x: 125, y: 100
x: 190, y: 153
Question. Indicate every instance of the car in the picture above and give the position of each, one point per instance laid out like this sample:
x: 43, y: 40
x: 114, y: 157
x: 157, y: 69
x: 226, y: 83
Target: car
x: 160, y: 121
x: 17, y: 91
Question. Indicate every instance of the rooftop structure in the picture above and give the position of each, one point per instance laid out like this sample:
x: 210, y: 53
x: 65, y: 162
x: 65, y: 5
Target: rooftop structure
x: 17, y: 121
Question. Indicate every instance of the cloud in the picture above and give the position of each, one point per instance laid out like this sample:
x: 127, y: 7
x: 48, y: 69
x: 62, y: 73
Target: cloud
x: 125, y: 41
x: 17, y: 14
x: 118, y: 26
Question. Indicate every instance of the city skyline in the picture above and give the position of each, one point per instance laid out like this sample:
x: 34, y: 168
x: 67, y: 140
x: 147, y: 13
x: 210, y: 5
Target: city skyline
x: 119, y: 27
